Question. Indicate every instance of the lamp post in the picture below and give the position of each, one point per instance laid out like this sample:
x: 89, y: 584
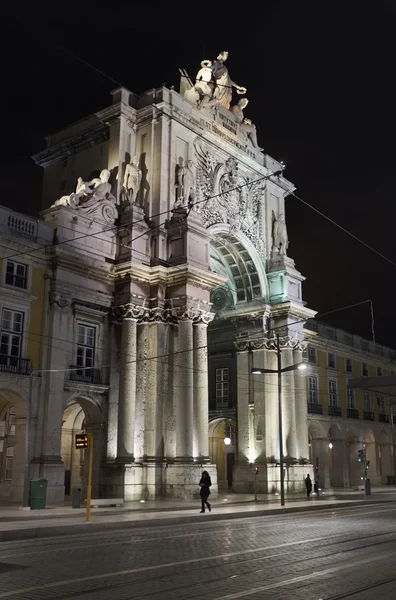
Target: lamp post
x: 279, y: 372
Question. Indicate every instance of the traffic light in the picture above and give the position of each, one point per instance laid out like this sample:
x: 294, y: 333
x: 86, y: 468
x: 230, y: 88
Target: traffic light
x: 361, y: 455
x: 316, y: 468
x: 257, y: 470
x: 368, y: 464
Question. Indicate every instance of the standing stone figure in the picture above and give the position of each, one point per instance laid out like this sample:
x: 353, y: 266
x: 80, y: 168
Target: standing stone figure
x: 224, y: 83
x: 245, y: 124
x: 185, y: 184
x: 132, y: 180
x: 280, y: 238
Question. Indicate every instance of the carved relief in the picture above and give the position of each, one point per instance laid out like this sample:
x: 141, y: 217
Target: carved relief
x: 270, y: 343
x: 232, y: 197
x: 93, y: 198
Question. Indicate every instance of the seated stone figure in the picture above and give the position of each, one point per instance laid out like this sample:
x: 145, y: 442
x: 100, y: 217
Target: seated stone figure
x: 88, y: 192
x: 245, y: 124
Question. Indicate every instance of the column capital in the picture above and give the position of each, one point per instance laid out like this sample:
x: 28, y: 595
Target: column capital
x: 128, y: 311
x: 270, y: 343
x: 196, y: 315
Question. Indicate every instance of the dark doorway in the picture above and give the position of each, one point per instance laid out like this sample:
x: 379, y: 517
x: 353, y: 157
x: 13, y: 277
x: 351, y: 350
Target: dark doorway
x: 230, y: 469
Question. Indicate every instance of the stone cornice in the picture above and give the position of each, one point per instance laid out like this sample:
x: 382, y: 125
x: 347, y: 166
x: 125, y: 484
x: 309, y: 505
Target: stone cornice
x: 75, y: 263
x: 143, y: 314
x: 202, y: 278
x: 269, y: 343
x: 293, y: 309
x: 55, y: 153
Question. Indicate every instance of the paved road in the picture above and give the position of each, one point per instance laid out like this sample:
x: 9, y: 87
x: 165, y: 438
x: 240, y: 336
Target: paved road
x: 329, y: 555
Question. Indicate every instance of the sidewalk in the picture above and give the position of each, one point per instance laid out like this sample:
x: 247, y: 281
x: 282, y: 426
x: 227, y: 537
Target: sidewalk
x: 17, y: 524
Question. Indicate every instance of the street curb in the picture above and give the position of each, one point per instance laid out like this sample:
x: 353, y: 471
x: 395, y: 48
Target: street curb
x: 84, y: 528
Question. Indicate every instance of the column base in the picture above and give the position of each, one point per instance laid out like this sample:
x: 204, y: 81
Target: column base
x: 52, y: 469
x: 182, y: 480
x: 267, y: 480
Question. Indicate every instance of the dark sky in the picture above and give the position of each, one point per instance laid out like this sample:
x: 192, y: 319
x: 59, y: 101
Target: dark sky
x: 320, y: 79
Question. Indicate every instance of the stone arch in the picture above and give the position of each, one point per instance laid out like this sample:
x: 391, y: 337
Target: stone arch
x: 82, y: 414
x: 385, y: 463
x: 221, y: 455
x: 13, y: 414
x: 234, y: 256
x: 337, y: 456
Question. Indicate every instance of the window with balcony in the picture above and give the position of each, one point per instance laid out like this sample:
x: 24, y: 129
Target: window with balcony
x: 331, y: 361
x: 8, y: 463
x: 332, y: 392
x: 312, y: 355
x: 16, y: 274
x: 365, y: 369
x: 366, y: 402
x: 222, y: 388
x: 313, y: 390
x: 348, y: 365
x: 381, y: 404
x: 85, y: 351
x: 350, y: 398
x: 11, y: 339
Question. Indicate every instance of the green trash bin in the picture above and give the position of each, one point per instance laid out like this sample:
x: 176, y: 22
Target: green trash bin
x: 38, y: 493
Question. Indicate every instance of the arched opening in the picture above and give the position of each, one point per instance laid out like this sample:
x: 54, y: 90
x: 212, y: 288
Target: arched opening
x: 385, y: 458
x: 222, y: 449
x: 371, y: 457
x: 13, y: 415
x: 356, y: 469
x: 81, y: 415
x: 337, y: 460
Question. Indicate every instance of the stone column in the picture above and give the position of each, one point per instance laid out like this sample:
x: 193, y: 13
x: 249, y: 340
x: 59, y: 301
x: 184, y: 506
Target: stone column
x: 141, y: 391
x: 340, y: 467
x: 300, y: 395
x: 288, y: 406
x: 320, y: 450
x: 201, y: 408
x: 127, y: 397
x: 184, y: 391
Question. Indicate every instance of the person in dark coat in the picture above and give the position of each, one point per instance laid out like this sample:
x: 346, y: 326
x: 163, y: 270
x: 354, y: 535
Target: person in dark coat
x: 205, y: 484
x: 308, y: 485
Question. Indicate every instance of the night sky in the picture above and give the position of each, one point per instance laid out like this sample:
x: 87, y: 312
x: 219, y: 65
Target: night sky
x: 320, y: 79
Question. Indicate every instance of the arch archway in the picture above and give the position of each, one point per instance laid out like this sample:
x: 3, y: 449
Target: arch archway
x: 81, y: 415
x: 233, y: 255
x: 221, y: 454
x: 13, y: 413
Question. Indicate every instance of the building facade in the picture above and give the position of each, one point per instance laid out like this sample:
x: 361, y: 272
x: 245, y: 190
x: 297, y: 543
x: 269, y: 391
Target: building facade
x: 161, y: 253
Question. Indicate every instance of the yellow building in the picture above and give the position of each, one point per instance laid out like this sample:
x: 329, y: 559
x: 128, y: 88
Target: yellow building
x: 22, y: 318
x: 342, y: 420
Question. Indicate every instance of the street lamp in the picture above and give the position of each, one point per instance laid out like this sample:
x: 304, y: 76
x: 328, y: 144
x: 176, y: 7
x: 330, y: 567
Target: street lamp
x: 279, y: 371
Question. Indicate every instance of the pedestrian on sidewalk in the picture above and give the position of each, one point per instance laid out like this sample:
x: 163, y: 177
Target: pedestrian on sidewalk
x: 308, y: 485
x: 205, y: 484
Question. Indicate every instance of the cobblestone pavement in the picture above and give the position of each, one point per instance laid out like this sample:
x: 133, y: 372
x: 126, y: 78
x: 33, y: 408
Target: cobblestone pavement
x: 329, y: 555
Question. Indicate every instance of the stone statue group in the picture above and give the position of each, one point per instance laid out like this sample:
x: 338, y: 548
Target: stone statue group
x: 213, y: 87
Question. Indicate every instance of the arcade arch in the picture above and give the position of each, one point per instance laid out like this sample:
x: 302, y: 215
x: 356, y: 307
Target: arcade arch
x: 13, y: 414
x: 220, y: 454
x: 81, y: 415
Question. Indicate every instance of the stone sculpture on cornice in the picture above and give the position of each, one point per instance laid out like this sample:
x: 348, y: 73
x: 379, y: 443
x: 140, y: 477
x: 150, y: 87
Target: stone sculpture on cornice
x: 132, y: 180
x: 213, y: 84
x: 185, y: 187
x: 93, y: 198
x: 245, y: 125
x: 280, y: 237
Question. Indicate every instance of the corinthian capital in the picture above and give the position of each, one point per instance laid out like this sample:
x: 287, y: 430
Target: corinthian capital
x: 129, y: 311
x: 196, y: 315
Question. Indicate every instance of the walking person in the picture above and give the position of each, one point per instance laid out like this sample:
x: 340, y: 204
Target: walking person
x: 205, y: 484
x: 308, y: 485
